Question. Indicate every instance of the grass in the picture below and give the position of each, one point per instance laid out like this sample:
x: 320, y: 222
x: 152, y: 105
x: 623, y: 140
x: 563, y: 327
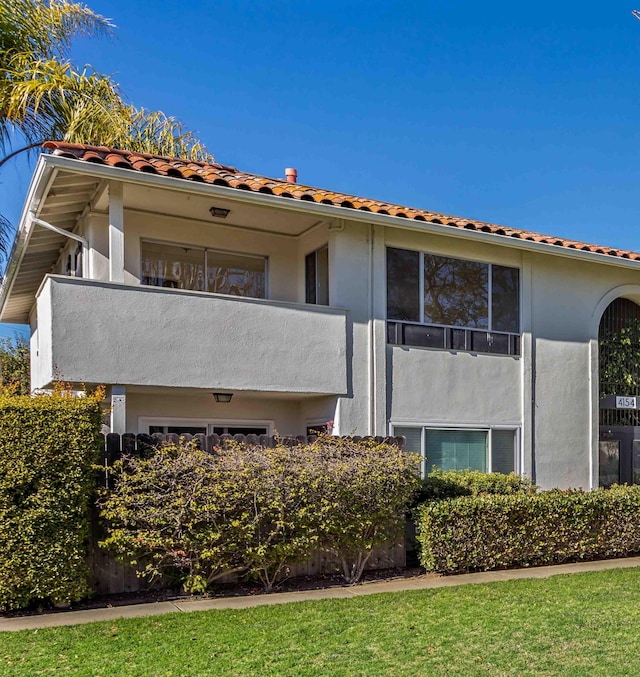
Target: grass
x: 579, y: 624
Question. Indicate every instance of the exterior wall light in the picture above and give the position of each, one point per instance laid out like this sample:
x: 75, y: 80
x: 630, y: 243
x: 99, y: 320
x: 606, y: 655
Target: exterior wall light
x: 222, y: 397
x: 219, y: 212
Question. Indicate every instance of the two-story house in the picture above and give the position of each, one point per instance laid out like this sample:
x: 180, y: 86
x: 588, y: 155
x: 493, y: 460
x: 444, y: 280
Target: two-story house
x: 207, y: 299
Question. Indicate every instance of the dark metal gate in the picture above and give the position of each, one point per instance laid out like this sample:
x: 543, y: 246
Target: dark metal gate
x: 619, y: 368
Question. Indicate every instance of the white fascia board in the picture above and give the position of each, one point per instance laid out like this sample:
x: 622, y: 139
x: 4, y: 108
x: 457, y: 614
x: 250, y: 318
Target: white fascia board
x: 325, y: 211
x: 40, y: 183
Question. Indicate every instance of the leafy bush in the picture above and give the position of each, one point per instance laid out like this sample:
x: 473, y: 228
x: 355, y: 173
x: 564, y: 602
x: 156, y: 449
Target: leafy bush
x: 48, y: 445
x: 177, y: 509
x: 440, y: 484
x: 478, y: 533
x: 15, y: 364
x: 255, y: 510
x: 369, y: 487
x: 244, y: 509
x: 287, y: 506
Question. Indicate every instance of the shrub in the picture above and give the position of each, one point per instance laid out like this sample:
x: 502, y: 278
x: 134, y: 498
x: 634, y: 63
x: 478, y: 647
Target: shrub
x: 439, y: 484
x: 287, y: 506
x: 15, y: 364
x: 48, y: 445
x: 244, y: 509
x: 477, y: 533
x: 369, y: 487
x: 255, y: 510
x: 178, y: 509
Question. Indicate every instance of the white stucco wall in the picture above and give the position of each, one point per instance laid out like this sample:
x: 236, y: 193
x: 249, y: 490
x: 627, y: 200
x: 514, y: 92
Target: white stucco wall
x: 350, y: 254
x: 549, y: 392
x: 120, y: 334
x: 432, y: 386
x: 565, y: 296
x: 40, y: 347
x: 284, y: 416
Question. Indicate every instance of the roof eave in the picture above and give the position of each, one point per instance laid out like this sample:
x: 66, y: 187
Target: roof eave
x: 327, y: 210
x: 49, y: 164
x: 41, y: 180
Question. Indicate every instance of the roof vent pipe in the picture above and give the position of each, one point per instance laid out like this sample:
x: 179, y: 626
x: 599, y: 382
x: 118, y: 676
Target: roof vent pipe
x: 291, y: 174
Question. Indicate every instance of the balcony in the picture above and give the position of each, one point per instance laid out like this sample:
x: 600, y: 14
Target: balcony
x: 102, y: 332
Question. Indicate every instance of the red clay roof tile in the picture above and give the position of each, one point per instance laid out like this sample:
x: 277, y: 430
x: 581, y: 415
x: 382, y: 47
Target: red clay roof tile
x: 224, y: 175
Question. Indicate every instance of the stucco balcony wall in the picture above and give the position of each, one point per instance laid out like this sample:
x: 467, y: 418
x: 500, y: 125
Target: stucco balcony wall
x: 101, y: 332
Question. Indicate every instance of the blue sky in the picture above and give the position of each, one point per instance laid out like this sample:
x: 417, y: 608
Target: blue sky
x: 519, y: 114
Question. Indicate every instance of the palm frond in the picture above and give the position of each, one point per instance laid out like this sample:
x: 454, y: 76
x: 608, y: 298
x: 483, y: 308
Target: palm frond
x: 154, y: 132
x: 46, y: 28
x: 43, y: 96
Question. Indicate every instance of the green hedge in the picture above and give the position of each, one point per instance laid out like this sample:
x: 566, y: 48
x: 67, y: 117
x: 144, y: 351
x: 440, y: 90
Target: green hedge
x: 479, y: 533
x: 48, y: 445
x: 439, y: 484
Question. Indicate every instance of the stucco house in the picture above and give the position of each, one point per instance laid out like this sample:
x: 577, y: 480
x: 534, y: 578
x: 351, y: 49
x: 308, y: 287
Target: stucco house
x: 181, y: 285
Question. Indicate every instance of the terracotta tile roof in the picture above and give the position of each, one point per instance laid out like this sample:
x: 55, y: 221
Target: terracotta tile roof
x: 223, y: 175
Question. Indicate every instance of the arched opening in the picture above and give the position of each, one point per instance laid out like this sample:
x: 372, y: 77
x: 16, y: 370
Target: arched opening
x: 619, y: 384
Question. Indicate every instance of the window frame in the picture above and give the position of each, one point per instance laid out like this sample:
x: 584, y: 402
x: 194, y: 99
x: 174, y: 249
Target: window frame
x: 145, y: 421
x: 516, y: 429
x: 421, y: 290
x: 214, y: 250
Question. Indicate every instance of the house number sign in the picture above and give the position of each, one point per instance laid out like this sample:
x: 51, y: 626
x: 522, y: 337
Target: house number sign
x: 623, y: 402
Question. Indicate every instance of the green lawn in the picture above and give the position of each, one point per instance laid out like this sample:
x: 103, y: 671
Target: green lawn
x: 581, y: 624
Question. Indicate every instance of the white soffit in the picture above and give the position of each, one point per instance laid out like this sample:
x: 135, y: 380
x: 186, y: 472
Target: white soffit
x: 37, y: 249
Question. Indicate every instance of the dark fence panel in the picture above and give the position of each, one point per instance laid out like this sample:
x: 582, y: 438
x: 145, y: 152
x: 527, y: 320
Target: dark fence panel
x: 130, y: 444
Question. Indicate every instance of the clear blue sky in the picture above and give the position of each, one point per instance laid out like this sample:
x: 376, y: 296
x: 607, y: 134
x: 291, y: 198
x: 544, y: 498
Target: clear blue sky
x: 521, y: 114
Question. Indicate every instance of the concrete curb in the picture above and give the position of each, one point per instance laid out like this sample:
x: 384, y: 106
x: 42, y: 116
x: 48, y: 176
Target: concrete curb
x: 424, y: 582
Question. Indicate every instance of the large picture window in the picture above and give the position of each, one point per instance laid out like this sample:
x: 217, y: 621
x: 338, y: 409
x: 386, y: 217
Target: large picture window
x: 458, y: 304
x: 199, y: 269
x: 486, y: 450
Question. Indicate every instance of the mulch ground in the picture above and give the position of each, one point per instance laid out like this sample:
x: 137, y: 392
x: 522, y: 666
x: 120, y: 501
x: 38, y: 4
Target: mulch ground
x: 237, y: 589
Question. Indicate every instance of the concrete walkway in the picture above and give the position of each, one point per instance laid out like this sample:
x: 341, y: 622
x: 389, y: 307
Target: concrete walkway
x: 424, y: 582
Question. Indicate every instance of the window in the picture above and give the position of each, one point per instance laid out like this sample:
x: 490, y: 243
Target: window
x: 177, y: 429
x: 208, y: 430
x: 455, y: 292
x: 316, y: 266
x: 487, y: 450
x: 456, y: 449
x: 74, y: 262
x: 193, y: 426
x: 452, y: 303
x: 173, y: 266
x: 403, y: 284
x: 237, y: 430
x: 318, y: 428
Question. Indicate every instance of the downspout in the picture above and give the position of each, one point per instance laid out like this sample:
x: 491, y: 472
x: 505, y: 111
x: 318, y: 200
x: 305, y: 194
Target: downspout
x: 60, y: 231
x: 372, y: 345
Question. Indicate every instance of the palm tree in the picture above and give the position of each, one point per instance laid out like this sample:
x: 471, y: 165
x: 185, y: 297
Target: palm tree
x: 44, y: 96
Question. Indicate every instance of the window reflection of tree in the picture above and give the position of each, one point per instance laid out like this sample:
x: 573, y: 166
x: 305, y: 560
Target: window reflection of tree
x: 403, y: 280
x: 187, y: 274
x: 505, y: 292
x: 235, y: 281
x: 456, y: 292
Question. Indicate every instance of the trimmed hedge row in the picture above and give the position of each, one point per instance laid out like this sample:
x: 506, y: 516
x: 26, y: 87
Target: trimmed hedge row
x: 440, y: 484
x: 48, y: 446
x: 479, y: 533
